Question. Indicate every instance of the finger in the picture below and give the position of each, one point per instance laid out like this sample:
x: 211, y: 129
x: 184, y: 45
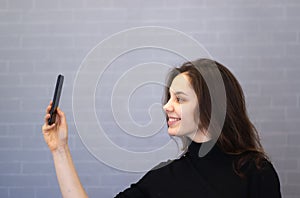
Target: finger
x: 46, y: 118
x: 48, y: 109
x: 62, y: 116
x: 48, y: 128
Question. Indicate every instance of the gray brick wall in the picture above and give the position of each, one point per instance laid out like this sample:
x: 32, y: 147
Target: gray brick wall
x: 258, y: 40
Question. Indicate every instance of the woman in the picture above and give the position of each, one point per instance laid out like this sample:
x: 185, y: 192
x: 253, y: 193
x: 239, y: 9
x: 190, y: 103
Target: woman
x: 236, y: 166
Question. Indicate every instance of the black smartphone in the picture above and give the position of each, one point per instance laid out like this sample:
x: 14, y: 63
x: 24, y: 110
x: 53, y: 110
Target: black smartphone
x: 56, y: 97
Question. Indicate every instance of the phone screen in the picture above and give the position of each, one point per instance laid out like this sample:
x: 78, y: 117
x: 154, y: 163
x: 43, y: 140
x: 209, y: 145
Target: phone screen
x: 56, y: 97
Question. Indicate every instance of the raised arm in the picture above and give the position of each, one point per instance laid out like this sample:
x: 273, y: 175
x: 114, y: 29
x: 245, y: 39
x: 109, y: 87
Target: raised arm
x: 56, y: 137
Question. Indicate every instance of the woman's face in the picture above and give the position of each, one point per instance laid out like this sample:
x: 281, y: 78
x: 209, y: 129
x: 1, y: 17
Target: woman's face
x: 182, y: 110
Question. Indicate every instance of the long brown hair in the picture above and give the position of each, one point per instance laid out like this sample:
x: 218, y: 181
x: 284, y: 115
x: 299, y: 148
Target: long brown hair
x: 238, y: 136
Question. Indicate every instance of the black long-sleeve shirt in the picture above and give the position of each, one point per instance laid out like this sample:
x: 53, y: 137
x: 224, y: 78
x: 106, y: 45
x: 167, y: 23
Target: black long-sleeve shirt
x: 211, y: 176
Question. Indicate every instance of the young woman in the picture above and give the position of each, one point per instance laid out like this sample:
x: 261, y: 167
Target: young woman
x: 236, y: 166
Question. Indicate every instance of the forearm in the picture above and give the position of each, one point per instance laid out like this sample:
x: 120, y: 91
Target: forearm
x: 68, y: 179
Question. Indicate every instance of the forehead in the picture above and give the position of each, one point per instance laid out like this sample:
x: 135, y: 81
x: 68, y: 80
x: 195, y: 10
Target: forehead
x: 181, y: 83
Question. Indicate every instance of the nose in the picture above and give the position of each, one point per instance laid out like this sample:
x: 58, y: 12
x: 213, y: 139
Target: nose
x: 168, y: 107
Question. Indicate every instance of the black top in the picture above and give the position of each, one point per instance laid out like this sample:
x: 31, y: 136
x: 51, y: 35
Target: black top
x: 211, y: 176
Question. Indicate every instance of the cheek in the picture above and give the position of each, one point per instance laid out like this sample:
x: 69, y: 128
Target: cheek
x: 191, y: 115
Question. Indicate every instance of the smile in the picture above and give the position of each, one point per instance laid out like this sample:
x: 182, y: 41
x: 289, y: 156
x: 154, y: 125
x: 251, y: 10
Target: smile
x: 173, y: 121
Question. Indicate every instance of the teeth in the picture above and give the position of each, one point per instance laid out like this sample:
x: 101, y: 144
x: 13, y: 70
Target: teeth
x: 174, y: 119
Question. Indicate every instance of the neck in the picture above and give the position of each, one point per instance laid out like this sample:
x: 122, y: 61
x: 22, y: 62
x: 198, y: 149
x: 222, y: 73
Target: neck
x: 200, y: 137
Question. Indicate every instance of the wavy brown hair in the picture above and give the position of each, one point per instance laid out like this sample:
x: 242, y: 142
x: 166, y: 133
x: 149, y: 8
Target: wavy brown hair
x: 238, y: 136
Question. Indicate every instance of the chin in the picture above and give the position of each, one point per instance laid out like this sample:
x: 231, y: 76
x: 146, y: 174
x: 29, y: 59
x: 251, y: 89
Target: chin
x: 173, y: 132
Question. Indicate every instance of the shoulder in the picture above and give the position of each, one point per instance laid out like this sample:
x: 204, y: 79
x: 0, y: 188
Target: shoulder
x: 264, y: 179
x: 263, y: 169
x: 168, y: 171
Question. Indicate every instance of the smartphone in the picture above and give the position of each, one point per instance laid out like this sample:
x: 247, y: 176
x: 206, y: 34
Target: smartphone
x: 56, y: 97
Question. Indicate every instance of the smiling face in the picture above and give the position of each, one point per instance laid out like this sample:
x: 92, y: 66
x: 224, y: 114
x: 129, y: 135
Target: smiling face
x: 182, y: 110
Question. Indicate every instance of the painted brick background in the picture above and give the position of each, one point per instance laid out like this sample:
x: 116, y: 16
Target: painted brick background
x: 258, y: 40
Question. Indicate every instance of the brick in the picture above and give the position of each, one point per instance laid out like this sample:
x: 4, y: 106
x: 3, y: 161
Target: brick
x: 3, y: 130
x: 20, y: 5
x: 42, y: 16
x: 293, y: 50
x: 24, y: 156
x: 261, y: 12
x: 47, y: 5
x: 283, y: 100
x: 23, y: 29
x: 49, y: 192
x: 273, y: 139
x: 294, y: 178
x: 10, y: 143
x: 270, y: 25
x: 97, y: 191
x: 292, y: 74
x: 258, y: 101
x: 11, y: 79
x: 290, y: 189
x: 286, y: 88
x: 22, y: 181
x: 35, y: 105
x: 9, y: 16
x: 9, y: 42
x: 285, y: 164
x: 38, y: 168
x: 278, y: 63
x: 20, y: 67
x: 260, y: 75
x: 20, y: 130
x: 284, y: 37
x: 293, y: 139
x: 229, y: 3
x: 190, y: 25
x: 71, y: 4
x: 293, y: 114
x: 292, y: 152
x: 47, y: 42
x: 65, y: 54
x: 292, y: 11
x: 280, y: 126
x: 4, y: 193
x: 3, y: 67
x: 22, y: 54
x: 10, y: 168
x: 9, y: 105
x: 23, y: 92
x: 21, y: 192
x: 217, y: 12
x: 34, y: 142
x: 99, y: 3
x: 275, y: 151
x: 43, y: 79
x: 257, y: 50
x: 223, y: 25
x: 82, y: 155
x: 251, y: 89
x: 103, y: 14
x: 3, y: 4
x: 89, y: 180
x: 91, y: 167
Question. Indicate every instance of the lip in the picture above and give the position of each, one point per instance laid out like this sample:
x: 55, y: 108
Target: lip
x: 172, y: 122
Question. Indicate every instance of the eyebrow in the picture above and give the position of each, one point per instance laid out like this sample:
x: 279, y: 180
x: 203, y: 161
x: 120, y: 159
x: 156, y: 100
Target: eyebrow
x: 180, y: 92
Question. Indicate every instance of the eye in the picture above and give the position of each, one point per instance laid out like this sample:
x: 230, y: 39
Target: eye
x: 180, y: 100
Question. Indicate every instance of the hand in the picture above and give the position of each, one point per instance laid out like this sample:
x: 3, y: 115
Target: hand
x: 55, y: 135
